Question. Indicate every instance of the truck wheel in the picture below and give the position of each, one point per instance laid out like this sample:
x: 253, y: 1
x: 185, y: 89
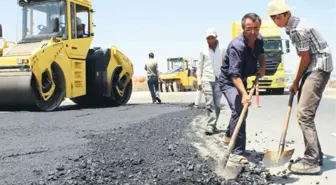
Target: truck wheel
x: 160, y: 87
x: 176, y: 86
x: 166, y: 87
x: 59, y: 93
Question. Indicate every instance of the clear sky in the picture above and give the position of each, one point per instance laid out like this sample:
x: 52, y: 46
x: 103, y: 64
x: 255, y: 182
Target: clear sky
x: 177, y: 27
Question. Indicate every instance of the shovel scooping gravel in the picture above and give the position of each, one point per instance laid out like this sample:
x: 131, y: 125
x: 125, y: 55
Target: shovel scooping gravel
x: 227, y: 153
x: 280, y: 157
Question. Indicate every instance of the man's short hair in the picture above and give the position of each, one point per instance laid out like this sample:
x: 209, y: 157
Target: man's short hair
x: 151, y: 55
x: 252, y: 16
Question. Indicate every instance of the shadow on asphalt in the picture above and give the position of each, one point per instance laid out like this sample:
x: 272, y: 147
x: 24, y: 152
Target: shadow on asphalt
x: 284, y: 179
x: 329, y: 163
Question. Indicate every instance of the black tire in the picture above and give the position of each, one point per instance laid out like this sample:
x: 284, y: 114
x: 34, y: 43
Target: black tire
x: 160, y: 86
x: 278, y: 91
x: 166, y: 87
x: 59, y: 93
x: 88, y: 101
x: 122, y: 100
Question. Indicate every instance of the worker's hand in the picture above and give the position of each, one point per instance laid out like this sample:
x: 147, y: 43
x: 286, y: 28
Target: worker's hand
x: 294, y: 87
x: 246, y: 100
x: 199, y: 86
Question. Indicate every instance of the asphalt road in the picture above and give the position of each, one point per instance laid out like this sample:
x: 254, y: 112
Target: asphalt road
x: 31, y: 142
x: 34, y: 144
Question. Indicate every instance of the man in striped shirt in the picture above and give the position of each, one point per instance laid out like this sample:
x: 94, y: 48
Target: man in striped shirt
x: 314, y: 72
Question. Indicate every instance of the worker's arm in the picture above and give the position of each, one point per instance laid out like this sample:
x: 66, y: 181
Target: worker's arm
x: 238, y: 83
x: 145, y: 67
x: 301, y: 40
x: 262, y: 59
x: 157, y: 70
x: 223, y: 55
x: 235, y: 58
x: 200, y: 65
x: 305, y: 60
x: 262, y: 63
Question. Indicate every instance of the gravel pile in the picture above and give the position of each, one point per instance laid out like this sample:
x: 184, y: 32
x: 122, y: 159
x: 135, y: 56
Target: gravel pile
x: 152, y: 152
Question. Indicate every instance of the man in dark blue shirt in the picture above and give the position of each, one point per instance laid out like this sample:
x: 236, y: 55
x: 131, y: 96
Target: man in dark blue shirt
x: 240, y: 62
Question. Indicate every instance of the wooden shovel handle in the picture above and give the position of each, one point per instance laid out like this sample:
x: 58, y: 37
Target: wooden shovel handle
x: 240, y: 121
x: 285, y: 126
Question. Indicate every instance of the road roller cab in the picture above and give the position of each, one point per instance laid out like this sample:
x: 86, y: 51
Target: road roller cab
x: 53, y: 60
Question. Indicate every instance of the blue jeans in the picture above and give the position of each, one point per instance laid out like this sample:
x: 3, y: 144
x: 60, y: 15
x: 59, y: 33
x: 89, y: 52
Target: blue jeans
x: 234, y: 99
x: 153, y: 86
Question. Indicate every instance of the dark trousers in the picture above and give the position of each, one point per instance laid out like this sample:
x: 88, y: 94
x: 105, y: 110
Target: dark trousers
x: 234, y: 99
x: 309, y: 96
x: 153, y: 85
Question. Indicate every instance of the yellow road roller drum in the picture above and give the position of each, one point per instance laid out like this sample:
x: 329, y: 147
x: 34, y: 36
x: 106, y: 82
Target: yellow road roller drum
x: 53, y: 60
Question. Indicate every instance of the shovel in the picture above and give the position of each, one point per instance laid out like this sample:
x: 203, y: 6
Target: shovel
x: 236, y: 130
x: 280, y: 157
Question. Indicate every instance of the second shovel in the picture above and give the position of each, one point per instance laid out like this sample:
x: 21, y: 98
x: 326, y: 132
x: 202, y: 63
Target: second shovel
x: 280, y: 157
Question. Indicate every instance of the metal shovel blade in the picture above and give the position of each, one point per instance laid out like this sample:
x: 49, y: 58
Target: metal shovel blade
x: 272, y: 158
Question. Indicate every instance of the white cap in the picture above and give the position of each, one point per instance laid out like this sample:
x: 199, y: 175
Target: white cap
x: 211, y: 32
x: 277, y: 7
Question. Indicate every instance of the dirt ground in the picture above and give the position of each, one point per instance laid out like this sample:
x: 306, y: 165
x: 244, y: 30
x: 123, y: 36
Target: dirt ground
x: 332, y: 84
x: 140, y: 83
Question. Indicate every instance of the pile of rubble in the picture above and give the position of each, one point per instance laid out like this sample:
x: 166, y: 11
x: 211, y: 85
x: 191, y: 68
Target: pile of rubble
x: 153, y: 152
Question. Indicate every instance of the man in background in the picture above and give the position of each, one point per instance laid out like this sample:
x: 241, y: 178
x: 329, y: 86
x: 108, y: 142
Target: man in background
x: 208, y: 69
x: 152, y: 69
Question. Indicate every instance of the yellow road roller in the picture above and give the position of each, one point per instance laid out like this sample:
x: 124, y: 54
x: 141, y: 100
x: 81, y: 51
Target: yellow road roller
x: 54, y: 60
x: 180, y: 76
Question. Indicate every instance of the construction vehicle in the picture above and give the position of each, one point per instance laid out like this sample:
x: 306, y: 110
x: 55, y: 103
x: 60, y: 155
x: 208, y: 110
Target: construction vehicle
x: 274, y: 80
x: 179, y: 76
x: 53, y: 60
